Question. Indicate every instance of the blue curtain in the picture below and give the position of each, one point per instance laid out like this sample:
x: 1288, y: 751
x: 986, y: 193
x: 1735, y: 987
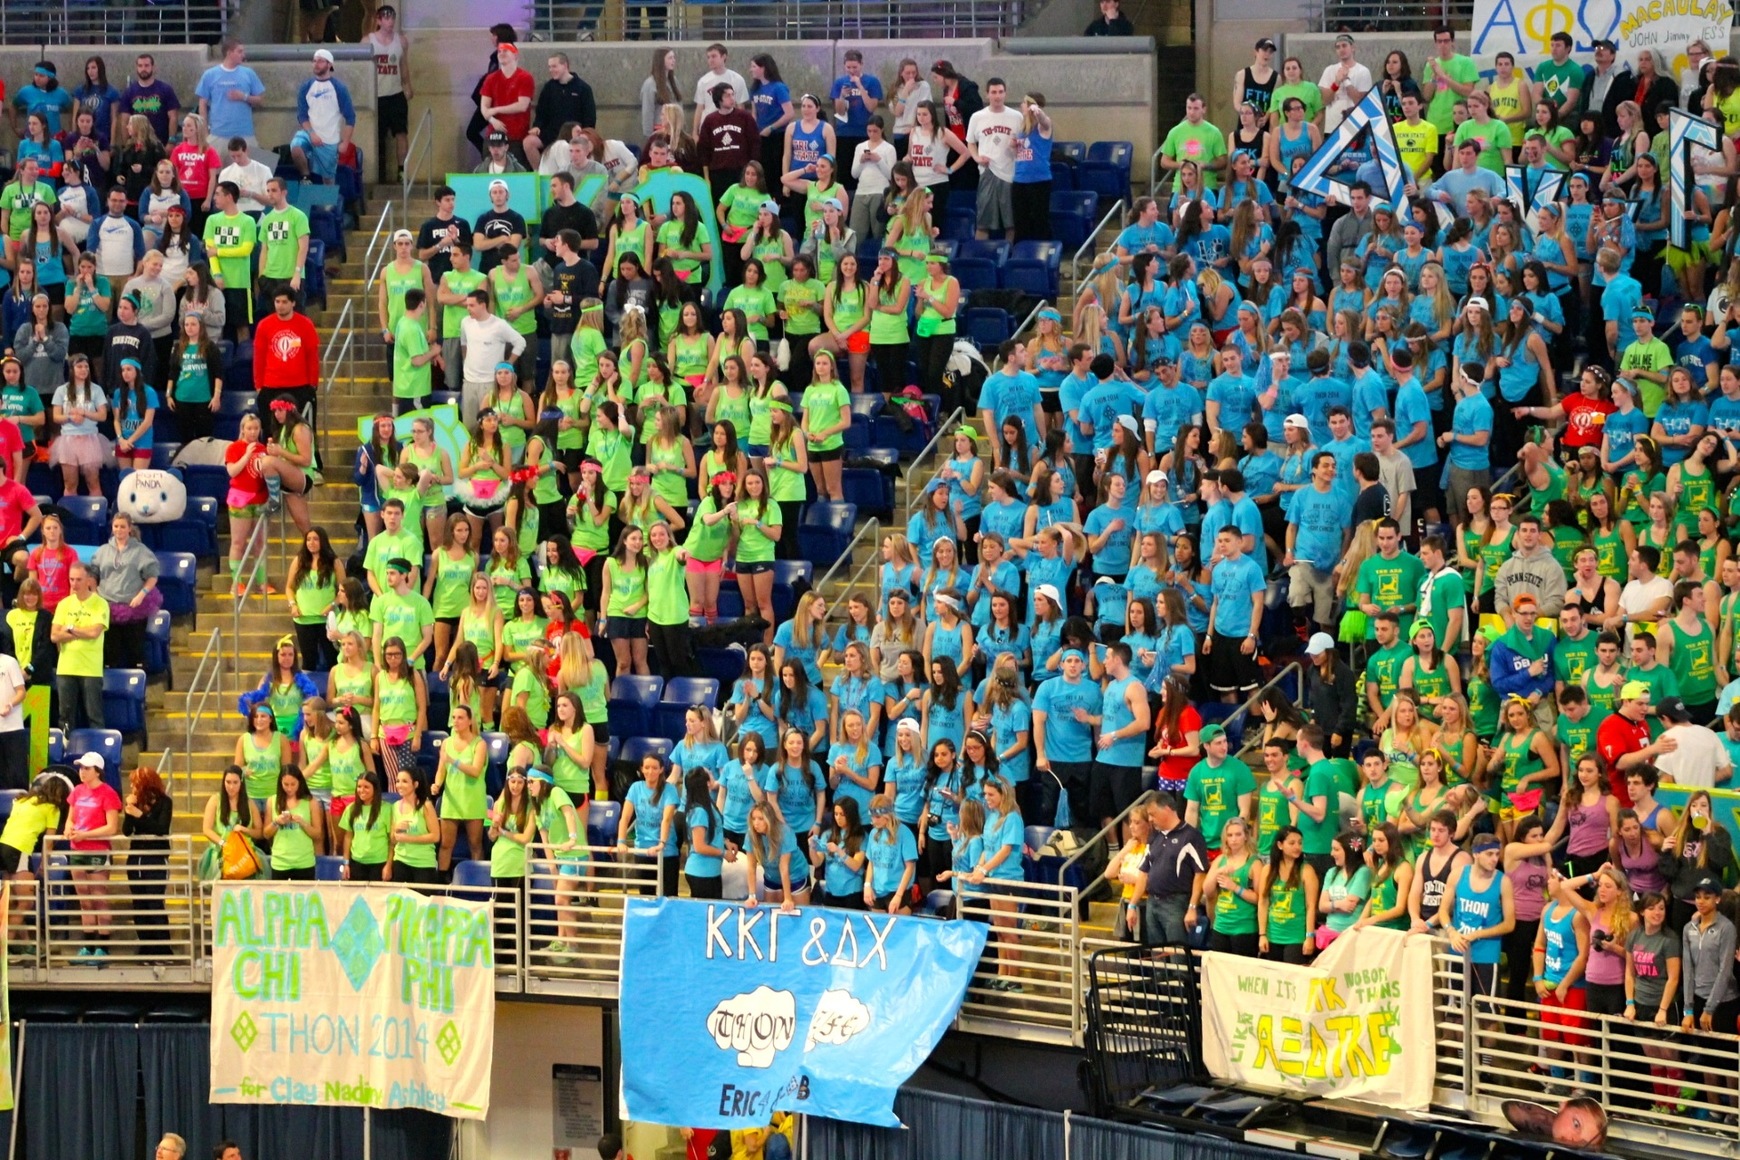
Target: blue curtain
x: 177, y: 1078
x: 408, y: 1134
x: 943, y: 1125
x: 80, y: 1091
x: 1100, y: 1140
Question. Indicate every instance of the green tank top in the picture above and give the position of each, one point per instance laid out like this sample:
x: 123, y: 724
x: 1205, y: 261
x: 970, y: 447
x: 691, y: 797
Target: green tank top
x: 398, y: 281
x: 1707, y: 557
x: 594, y: 693
x: 1693, y: 662
x: 940, y: 291
x: 1603, y: 699
x: 771, y: 253
x: 671, y: 486
x: 507, y: 858
x: 1384, y: 898
x: 1493, y: 554
x: 1232, y: 913
x: 1609, y: 554
x: 368, y: 842
x: 505, y: 595
x: 849, y: 306
x: 1287, y: 913
x: 313, y: 598
x: 357, y: 682
x: 626, y: 589
x: 570, y: 438
x: 668, y: 593
x: 761, y: 416
x: 1697, y: 493
x: 548, y: 488
x: 705, y: 543
x: 345, y: 764
x: 1482, y: 708
x: 452, y: 583
x: 519, y: 632
x: 571, y: 777
x: 462, y: 793
x: 261, y: 766
x: 398, y: 697
x: 753, y: 547
x: 692, y: 351
x: 553, y: 820
x: 513, y: 438
x: 313, y: 748
x: 636, y: 240
x: 1520, y: 760
x: 292, y: 847
x: 1272, y: 814
x: 479, y: 631
x: 421, y: 854
x: 732, y: 406
x: 1431, y: 684
x: 814, y: 196
x: 888, y: 329
x: 511, y: 293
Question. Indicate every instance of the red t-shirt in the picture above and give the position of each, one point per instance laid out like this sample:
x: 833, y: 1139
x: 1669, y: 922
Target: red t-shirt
x: 53, y: 571
x: 502, y: 89
x: 11, y: 443
x: 1177, y: 769
x: 1617, y: 736
x: 196, y: 165
x: 1585, y: 419
x: 248, y: 482
x: 15, y: 502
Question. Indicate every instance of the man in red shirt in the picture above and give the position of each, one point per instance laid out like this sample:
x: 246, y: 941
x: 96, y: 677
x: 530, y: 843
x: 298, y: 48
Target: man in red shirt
x: 286, y: 360
x: 506, y: 99
x: 19, y: 519
x: 1623, y: 739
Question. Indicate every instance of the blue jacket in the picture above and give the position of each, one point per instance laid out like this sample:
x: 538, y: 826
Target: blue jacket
x: 186, y: 208
x: 304, y: 685
x: 1510, y: 666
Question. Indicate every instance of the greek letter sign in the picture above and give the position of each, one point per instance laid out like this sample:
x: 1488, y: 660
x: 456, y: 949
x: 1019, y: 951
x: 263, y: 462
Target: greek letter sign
x: 1526, y: 27
x: 1355, y: 1024
x: 363, y: 997
x: 821, y: 1011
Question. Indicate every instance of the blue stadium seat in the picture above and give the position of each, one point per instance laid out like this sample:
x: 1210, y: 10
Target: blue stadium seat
x: 87, y: 519
x: 473, y: 872
x: 681, y: 693
x: 314, y: 270
x: 239, y: 368
x: 869, y: 489
x: 124, y: 703
x: 211, y: 483
x: 1035, y: 839
x: 1050, y: 253
x: 440, y: 701
x: 856, y: 436
x: 7, y: 797
x: 786, y: 573
x: 1030, y: 278
x: 227, y: 423
x: 328, y: 868
x: 724, y: 665
x: 883, y: 457
x: 495, y: 775
x: 947, y: 246
x: 1068, y: 153
x: 730, y: 602
x: 104, y: 741
x: 826, y: 531
x: 988, y: 327
x: 632, y: 700
x: 866, y: 407
x: 1119, y: 153
x: 886, y: 434
x: 429, y: 754
x: 178, y: 580
x: 56, y: 747
x: 157, y: 647
x: 602, y: 819
x: 868, y: 250
x: 1062, y: 176
x: 1103, y: 184
x: 975, y: 274
x: 634, y: 749
x: 163, y: 454
x: 994, y: 251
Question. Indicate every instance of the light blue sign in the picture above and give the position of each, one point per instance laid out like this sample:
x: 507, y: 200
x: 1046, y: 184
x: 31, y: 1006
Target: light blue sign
x: 820, y: 1011
x: 1368, y: 119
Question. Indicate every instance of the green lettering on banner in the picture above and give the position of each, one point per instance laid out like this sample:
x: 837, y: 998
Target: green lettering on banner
x: 273, y: 976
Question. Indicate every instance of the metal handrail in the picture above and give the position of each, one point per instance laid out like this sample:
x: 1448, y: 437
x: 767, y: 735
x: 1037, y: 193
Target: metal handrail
x: 1109, y: 828
x: 1158, y: 178
x: 942, y: 432
x: 344, y: 354
x: 245, y: 578
x: 1021, y: 328
x: 871, y: 530
x: 413, y: 161
x: 204, y: 684
x: 373, y: 258
x: 1087, y: 245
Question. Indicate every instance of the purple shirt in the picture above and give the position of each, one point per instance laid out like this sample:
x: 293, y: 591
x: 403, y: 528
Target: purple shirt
x: 153, y: 102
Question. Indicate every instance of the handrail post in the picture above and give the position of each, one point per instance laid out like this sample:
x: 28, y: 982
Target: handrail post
x: 871, y: 529
x: 956, y: 417
x: 1116, y: 212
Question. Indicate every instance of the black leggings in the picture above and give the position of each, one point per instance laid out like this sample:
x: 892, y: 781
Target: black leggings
x: 316, y: 649
x: 1293, y: 953
x: 933, y: 360
x: 713, y: 887
x: 890, y: 358
x: 1233, y: 944
x: 1519, y: 951
x: 672, y: 650
x: 789, y: 513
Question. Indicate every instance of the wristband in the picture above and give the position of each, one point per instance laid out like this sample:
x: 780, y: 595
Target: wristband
x: 1631, y: 1002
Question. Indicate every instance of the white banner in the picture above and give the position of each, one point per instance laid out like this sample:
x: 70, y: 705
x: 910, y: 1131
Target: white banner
x: 1356, y: 1024
x: 1526, y: 27
x: 335, y: 994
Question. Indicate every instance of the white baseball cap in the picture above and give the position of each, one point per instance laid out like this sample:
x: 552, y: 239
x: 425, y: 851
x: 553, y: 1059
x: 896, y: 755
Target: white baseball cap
x: 1049, y: 591
x: 92, y: 759
x: 323, y: 54
x: 1128, y: 422
x: 907, y: 725
x: 1297, y: 420
x: 1320, y: 643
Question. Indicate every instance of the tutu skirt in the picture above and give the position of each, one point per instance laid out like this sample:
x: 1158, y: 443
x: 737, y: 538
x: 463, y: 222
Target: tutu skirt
x: 80, y: 451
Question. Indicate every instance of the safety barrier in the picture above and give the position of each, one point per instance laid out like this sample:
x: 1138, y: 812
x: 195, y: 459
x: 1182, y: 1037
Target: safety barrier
x: 869, y: 532
x: 252, y: 566
x: 776, y: 20
x: 380, y: 248
x: 944, y: 431
x: 574, y: 914
x: 1028, y: 984
x: 417, y: 158
x: 1386, y: 16
x: 207, y: 675
x: 131, y: 22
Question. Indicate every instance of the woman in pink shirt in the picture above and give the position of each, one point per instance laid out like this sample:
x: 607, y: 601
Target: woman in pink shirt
x: 197, y: 164
x: 93, y: 817
x: 51, y: 563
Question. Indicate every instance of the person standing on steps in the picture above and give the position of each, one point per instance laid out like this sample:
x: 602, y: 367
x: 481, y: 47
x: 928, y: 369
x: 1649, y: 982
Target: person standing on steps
x: 286, y: 360
x: 283, y: 242
x: 489, y: 342
x: 81, y: 620
x: 392, y: 49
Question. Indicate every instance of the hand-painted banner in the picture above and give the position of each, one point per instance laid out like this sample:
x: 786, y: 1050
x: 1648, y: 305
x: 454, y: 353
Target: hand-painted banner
x: 1365, y: 135
x: 362, y: 997
x: 1356, y: 1024
x: 820, y: 1011
x: 1666, y: 26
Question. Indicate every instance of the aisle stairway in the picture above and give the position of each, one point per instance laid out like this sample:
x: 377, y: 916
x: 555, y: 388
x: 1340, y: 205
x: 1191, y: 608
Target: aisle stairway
x: 264, y: 619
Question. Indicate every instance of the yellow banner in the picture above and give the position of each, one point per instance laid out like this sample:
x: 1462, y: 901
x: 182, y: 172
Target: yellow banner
x: 363, y: 997
x: 1355, y: 1024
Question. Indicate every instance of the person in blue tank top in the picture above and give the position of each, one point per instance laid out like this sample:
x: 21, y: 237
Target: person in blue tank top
x: 1561, y: 949
x: 945, y: 704
x: 999, y: 869
x: 648, y: 829
x: 1478, y: 911
x: 1123, y: 723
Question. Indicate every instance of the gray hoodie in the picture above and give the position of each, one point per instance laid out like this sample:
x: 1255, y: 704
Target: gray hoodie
x: 1538, y: 573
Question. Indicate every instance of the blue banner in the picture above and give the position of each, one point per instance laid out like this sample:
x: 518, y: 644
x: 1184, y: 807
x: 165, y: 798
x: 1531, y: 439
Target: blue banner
x: 821, y: 1011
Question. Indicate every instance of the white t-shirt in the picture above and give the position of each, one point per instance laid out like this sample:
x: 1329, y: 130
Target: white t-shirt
x: 1339, y: 106
x: 11, y: 680
x: 993, y: 135
x: 619, y: 161
x: 1701, y: 759
x: 704, y: 89
x: 1641, y: 595
x: 872, y: 167
x: 253, y: 175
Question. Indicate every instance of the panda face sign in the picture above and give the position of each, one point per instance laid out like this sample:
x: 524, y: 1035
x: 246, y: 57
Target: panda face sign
x: 152, y: 496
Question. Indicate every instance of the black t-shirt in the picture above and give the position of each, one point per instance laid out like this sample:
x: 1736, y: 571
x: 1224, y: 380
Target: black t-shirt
x: 1372, y: 503
x: 433, y: 230
x: 578, y: 281
x: 129, y: 341
x: 577, y: 217
x: 497, y: 225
